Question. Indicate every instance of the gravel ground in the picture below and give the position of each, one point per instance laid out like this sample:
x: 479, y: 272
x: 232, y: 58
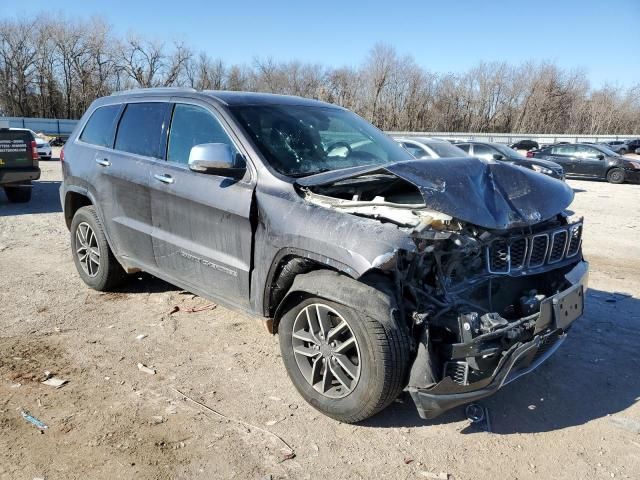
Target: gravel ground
x: 575, y: 417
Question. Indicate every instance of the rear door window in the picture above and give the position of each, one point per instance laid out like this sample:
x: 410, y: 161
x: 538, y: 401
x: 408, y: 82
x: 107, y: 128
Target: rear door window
x: 566, y: 150
x: 192, y: 125
x: 101, y: 127
x: 141, y: 128
x: 464, y: 146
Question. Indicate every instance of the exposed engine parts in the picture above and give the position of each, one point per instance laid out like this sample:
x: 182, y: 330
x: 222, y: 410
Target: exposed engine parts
x: 472, y: 293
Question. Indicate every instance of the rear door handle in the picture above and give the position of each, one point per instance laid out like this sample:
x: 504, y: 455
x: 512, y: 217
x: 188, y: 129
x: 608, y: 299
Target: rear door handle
x: 164, y: 178
x: 103, y: 162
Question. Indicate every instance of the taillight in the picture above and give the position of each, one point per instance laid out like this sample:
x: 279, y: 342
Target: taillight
x: 530, y: 154
x: 62, y: 155
x: 34, y: 150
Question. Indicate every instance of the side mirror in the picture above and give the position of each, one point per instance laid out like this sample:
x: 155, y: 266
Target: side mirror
x: 600, y: 156
x: 497, y: 156
x: 211, y: 157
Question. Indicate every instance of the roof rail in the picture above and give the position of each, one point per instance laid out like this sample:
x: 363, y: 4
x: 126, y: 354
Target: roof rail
x: 155, y: 90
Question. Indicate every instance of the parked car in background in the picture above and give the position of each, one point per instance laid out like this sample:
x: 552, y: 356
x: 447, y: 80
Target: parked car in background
x: 427, y: 147
x: 43, y: 146
x: 525, y: 145
x: 500, y: 152
x: 57, y: 141
x: 379, y: 272
x: 624, y: 146
x: 18, y: 163
x: 593, y: 161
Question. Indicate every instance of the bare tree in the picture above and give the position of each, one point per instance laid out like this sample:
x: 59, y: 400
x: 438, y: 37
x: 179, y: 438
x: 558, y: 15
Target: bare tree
x: 57, y: 67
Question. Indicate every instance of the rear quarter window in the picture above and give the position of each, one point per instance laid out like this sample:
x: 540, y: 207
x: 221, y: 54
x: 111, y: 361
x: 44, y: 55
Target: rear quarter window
x: 141, y: 127
x: 100, y: 129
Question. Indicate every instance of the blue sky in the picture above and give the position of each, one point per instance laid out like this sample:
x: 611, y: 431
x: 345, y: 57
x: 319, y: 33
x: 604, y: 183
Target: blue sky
x: 450, y: 36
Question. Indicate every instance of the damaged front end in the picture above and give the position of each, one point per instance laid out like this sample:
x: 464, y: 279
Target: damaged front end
x: 497, y: 275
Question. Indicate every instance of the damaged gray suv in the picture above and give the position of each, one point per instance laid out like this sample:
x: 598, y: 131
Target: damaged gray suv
x: 379, y: 272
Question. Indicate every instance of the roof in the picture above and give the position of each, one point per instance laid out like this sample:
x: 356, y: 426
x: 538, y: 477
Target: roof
x: 228, y: 98
x: 253, y: 98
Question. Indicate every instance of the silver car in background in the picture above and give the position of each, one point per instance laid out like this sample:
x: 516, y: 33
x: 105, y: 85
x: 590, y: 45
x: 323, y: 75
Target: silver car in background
x: 427, y: 147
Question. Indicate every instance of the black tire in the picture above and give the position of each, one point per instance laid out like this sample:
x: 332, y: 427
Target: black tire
x: 383, y: 348
x: 108, y: 273
x: 615, y: 175
x: 21, y: 194
x: 623, y: 151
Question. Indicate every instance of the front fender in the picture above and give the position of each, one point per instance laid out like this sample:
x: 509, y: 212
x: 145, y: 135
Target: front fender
x: 372, y: 301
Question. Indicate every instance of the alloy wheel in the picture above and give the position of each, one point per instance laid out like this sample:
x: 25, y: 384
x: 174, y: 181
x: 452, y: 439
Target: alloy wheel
x: 87, y: 249
x: 326, y: 350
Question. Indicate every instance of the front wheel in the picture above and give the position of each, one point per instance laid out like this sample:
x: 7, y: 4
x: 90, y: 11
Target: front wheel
x: 615, y: 175
x: 345, y: 364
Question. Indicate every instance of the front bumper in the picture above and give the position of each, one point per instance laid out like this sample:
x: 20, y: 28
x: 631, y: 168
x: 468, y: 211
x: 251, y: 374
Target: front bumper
x: 632, y: 175
x: 520, y: 359
x: 18, y: 175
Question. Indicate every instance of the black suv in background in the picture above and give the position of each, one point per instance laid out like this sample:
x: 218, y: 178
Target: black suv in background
x: 525, y: 145
x: 380, y: 272
x: 497, y: 151
x: 591, y: 161
x: 18, y: 163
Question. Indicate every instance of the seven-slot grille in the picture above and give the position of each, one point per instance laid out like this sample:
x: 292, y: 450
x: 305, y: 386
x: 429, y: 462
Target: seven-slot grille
x: 505, y: 255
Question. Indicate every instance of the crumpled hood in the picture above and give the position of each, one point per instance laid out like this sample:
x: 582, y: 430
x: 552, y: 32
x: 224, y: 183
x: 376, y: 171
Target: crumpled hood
x: 490, y: 194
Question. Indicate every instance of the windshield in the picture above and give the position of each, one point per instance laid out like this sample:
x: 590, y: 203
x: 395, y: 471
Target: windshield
x: 302, y: 140
x: 508, y: 152
x: 445, y: 149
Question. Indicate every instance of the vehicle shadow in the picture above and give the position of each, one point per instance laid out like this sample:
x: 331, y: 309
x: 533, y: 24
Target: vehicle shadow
x: 592, y: 375
x: 143, y: 282
x: 44, y: 199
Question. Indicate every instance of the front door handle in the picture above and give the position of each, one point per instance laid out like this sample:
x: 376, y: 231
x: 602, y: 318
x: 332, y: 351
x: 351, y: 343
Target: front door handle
x: 103, y: 162
x: 164, y: 178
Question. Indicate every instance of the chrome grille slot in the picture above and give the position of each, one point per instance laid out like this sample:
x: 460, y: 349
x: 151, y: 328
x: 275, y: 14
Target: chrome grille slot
x: 518, y: 252
x: 505, y: 255
x: 499, y: 257
x: 575, y: 240
x: 558, y: 245
x: 538, y: 253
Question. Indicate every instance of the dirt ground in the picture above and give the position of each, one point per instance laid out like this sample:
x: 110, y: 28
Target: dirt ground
x: 576, y: 417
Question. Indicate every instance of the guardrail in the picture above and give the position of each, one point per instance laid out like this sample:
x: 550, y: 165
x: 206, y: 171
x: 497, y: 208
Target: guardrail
x: 54, y: 126
x: 49, y: 126
x: 508, y: 138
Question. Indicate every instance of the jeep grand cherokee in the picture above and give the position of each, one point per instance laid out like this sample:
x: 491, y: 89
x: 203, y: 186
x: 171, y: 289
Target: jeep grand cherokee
x: 446, y: 278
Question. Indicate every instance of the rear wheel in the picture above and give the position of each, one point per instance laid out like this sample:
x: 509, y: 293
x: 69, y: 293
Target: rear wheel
x: 623, y: 151
x: 18, y: 194
x: 344, y: 363
x: 92, y: 256
x: 615, y: 175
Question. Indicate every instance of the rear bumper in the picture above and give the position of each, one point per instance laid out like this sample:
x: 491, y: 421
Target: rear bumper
x: 519, y: 360
x: 19, y: 175
x: 44, y: 151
